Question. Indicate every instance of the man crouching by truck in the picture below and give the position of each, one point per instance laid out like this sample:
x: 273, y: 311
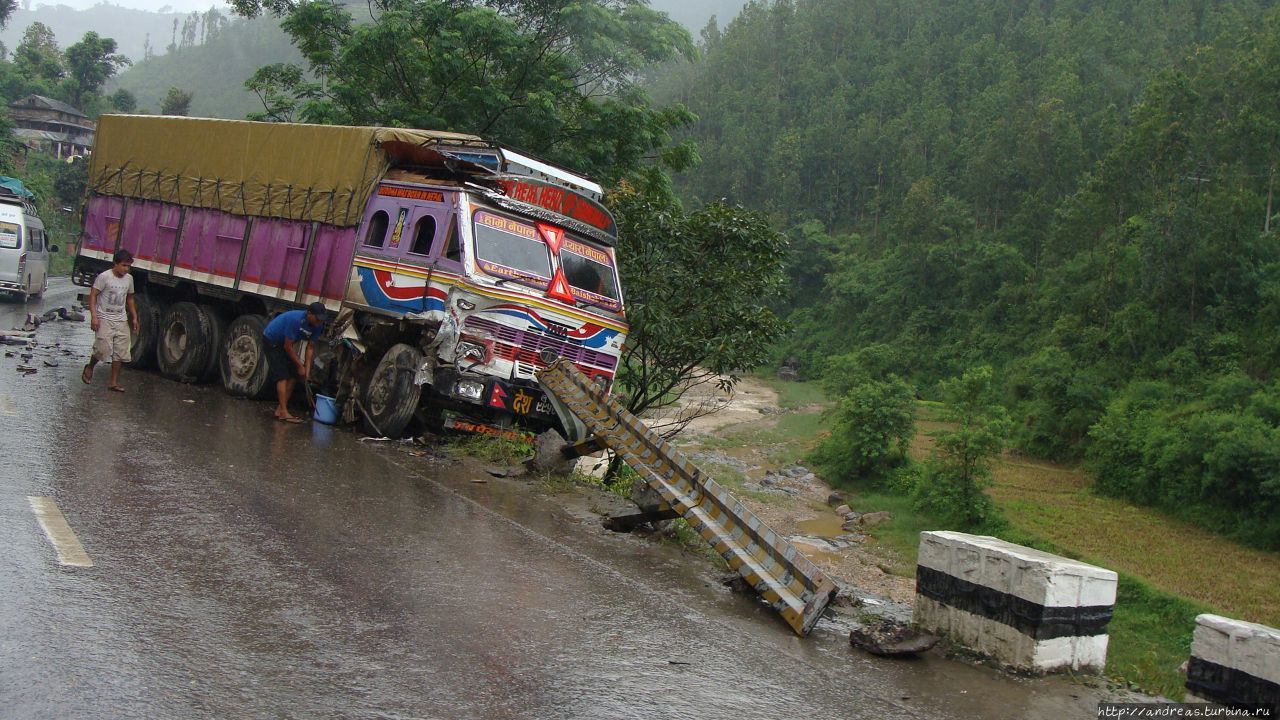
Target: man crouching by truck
x: 280, y: 336
x: 111, y: 295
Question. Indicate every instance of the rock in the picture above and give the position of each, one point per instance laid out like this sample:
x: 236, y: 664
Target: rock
x: 547, y: 455
x: 788, y: 373
x: 32, y: 323
x: 50, y: 316
x: 843, y: 510
x: 890, y: 638
x: 873, y: 519
x: 835, y: 498
x: 851, y: 524
x: 72, y: 315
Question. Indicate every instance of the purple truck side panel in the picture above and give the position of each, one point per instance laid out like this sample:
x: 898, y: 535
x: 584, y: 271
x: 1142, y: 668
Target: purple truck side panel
x: 102, y: 218
x: 212, y: 242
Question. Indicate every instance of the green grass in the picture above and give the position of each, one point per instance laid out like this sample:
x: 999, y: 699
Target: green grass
x: 795, y: 395
x: 489, y: 449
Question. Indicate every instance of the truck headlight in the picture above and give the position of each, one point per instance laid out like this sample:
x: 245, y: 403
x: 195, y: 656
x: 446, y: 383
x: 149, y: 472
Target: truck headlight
x: 469, y: 390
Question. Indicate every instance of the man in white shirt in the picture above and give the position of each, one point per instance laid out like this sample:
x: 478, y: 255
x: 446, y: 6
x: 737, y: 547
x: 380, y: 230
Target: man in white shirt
x: 111, y: 296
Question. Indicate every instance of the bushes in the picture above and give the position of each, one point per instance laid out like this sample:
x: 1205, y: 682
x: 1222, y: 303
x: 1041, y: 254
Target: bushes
x: 874, y: 421
x: 1214, y: 459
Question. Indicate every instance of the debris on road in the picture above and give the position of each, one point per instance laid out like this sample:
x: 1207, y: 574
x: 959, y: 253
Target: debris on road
x: 890, y: 638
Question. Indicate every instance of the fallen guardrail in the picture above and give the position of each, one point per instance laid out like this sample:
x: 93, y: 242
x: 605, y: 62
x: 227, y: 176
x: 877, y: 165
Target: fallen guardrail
x: 783, y: 577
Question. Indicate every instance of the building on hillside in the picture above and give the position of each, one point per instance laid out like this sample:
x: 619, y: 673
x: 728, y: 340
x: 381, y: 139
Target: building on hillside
x: 51, y: 126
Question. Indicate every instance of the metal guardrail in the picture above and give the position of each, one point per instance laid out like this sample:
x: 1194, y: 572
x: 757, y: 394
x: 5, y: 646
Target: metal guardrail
x: 784, y: 577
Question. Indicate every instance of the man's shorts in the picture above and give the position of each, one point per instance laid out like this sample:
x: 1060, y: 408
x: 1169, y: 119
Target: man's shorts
x: 282, y: 368
x: 112, y: 341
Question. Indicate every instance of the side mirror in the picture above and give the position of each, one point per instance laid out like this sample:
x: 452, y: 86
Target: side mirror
x: 53, y: 248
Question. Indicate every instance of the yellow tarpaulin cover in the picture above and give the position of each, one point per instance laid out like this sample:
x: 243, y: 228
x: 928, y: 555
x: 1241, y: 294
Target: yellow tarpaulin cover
x: 288, y: 170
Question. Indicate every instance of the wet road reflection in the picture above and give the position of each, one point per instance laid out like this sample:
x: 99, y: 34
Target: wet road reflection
x: 247, y: 568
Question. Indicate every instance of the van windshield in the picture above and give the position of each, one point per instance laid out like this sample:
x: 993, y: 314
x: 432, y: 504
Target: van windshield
x: 10, y: 235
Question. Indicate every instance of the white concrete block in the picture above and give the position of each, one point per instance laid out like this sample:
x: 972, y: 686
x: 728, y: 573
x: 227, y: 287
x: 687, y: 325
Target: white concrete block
x: 934, y: 552
x: 1245, y: 646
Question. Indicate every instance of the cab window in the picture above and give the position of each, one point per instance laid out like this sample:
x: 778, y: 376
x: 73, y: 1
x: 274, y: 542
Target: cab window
x: 10, y: 235
x: 423, y: 235
x: 377, y: 233
x: 37, y: 240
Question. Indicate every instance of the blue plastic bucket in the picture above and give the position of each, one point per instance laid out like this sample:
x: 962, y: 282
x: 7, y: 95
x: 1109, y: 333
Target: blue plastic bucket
x: 326, y: 410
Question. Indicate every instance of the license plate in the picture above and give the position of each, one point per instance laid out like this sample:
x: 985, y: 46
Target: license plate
x: 518, y: 400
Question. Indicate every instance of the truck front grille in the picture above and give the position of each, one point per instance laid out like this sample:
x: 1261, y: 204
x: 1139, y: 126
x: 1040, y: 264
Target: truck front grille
x: 523, y: 347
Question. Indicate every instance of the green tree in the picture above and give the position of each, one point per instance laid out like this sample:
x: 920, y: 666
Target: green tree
x: 557, y: 78
x: 37, y: 56
x: 123, y: 100
x: 960, y: 468
x: 176, y: 102
x: 699, y: 287
x: 90, y: 63
x: 872, y: 426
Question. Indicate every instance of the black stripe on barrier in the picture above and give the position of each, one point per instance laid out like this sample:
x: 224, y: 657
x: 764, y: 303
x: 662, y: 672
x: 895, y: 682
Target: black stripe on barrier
x: 1031, y: 619
x: 1230, y: 686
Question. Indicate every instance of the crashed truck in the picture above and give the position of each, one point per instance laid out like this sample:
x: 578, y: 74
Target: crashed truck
x: 454, y: 269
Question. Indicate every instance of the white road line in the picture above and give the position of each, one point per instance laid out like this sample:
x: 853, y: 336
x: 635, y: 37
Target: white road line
x: 60, y: 534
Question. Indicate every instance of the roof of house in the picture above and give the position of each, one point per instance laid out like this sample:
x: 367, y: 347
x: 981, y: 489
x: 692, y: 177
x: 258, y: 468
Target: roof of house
x: 46, y: 102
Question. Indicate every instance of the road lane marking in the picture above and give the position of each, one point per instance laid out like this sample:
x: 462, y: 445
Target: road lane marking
x: 60, y: 534
x: 7, y: 407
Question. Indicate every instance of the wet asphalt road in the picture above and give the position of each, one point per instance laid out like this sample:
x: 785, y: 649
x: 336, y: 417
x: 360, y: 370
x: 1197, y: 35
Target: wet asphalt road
x: 245, y: 568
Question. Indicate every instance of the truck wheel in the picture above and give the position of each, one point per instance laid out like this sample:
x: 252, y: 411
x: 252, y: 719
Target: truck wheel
x: 143, y: 349
x: 391, y: 397
x: 242, y: 363
x: 217, y: 334
x: 183, y: 345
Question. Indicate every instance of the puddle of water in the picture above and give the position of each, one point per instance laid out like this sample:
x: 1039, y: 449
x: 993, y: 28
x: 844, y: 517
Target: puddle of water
x: 827, y: 526
x: 816, y: 553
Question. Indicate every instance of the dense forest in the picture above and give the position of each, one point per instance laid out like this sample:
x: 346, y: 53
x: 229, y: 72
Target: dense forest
x: 1078, y: 194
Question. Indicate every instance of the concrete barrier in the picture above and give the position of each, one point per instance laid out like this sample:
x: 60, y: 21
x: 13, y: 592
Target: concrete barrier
x: 1023, y: 608
x: 1234, y: 663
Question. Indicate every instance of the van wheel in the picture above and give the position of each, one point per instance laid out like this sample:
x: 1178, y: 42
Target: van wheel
x: 143, y: 349
x: 391, y: 397
x: 183, y: 346
x: 242, y: 363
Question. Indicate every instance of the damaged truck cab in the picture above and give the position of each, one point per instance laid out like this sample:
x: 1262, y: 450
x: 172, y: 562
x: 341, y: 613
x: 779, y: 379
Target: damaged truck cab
x: 454, y: 268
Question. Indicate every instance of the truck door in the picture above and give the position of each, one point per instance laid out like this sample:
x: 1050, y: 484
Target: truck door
x: 404, y: 244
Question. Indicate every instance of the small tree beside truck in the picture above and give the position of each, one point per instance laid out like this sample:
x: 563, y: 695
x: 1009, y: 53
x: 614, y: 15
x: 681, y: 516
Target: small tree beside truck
x: 455, y: 268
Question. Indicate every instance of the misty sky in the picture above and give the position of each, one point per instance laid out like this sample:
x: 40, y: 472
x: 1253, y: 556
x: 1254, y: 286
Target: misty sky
x: 181, y: 6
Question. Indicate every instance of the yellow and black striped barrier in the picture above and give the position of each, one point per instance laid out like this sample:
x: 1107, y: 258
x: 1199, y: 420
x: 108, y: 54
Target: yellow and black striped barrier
x: 779, y: 573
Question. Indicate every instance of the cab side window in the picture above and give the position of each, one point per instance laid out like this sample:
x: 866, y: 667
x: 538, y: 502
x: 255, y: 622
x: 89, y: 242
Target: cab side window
x: 452, y: 248
x: 377, y: 233
x: 423, y: 236
x: 37, y: 240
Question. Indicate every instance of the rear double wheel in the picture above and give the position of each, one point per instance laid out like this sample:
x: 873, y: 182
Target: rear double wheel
x: 391, y: 395
x: 185, y: 345
x: 143, y: 350
x: 242, y: 362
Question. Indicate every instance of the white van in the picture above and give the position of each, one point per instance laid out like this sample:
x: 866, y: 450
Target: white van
x: 24, y: 249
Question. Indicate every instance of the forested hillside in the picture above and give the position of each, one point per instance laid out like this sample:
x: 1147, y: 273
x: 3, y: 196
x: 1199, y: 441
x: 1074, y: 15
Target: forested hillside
x: 214, y: 72
x: 1076, y: 193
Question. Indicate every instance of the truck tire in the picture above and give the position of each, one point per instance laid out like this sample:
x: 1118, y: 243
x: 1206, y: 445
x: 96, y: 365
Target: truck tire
x: 242, y: 362
x: 390, y: 396
x: 217, y: 334
x: 183, y: 345
x: 143, y: 349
